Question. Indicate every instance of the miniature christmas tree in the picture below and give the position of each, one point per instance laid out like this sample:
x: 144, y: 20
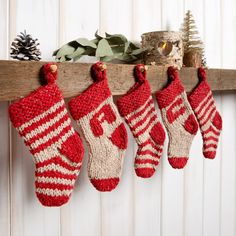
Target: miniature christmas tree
x: 24, y: 48
x: 193, y: 45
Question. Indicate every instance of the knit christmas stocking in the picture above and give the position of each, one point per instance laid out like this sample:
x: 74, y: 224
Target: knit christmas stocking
x: 103, y: 129
x: 208, y: 117
x: 178, y: 118
x: 137, y: 107
x: 42, y: 120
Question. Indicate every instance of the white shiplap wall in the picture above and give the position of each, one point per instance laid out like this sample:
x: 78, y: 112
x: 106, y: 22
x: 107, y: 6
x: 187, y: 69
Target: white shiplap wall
x: 199, y: 200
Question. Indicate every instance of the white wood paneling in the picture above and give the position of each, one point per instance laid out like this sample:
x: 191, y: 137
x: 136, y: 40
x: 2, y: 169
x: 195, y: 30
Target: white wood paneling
x: 4, y: 129
x: 146, y: 17
x: 228, y: 167
x: 77, y: 20
x: 82, y: 215
x: 148, y: 198
x: 4, y: 172
x: 194, y: 173
x: 4, y: 22
x: 172, y: 179
x: 199, y: 200
x: 212, y: 173
x: 40, y: 19
x: 120, y: 201
x: 228, y: 161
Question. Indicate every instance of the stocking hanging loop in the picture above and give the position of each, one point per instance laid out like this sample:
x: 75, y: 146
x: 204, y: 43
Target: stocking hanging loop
x: 201, y: 74
x: 140, y: 72
x: 50, y: 72
x: 99, y: 71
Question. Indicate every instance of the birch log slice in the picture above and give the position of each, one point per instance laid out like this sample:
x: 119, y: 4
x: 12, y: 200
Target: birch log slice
x: 165, y: 48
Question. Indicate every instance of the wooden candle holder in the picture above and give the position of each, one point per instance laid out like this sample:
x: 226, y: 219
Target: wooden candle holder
x: 165, y: 48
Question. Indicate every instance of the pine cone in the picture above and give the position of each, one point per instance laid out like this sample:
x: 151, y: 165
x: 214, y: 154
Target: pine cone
x: 24, y: 48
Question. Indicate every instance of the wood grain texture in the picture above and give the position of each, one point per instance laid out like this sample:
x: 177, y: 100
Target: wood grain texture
x: 17, y: 79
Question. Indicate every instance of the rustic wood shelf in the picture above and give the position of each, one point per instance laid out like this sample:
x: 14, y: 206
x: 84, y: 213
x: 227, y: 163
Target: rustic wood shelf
x: 18, y: 79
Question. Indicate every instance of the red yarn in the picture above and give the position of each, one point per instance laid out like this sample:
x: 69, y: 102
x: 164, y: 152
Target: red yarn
x: 140, y: 72
x: 137, y: 107
x: 98, y: 72
x: 42, y: 120
x: 201, y: 74
x: 50, y: 75
x: 105, y: 185
x: 178, y: 162
x: 209, y: 119
x: 103, y: 129
x: 178, y: 118
x: 172, y: 73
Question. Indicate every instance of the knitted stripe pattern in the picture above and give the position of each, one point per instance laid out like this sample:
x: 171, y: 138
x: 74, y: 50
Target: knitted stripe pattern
x: 208, y: 117
x: 137, y: 108
x: 103, y: 129
x: 178, y: 119
x: 42, y: 120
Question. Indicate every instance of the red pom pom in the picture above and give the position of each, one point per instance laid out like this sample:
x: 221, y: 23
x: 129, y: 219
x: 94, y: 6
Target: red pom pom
x: 201, y: 73
x: 172, y: 73
x: 98, y: 71
x: 50, y: 72
x: 140, y: 72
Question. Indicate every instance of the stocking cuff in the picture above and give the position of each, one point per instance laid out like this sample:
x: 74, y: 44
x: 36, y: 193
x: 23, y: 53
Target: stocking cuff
x: 38, y: 101
x: 201, y: 91
x: 167, y: 95
x: 90, y: 99
x: 135, y: 98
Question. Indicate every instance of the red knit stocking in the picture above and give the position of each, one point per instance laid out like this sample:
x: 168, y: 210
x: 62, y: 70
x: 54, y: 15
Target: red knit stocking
x: 208, y: 117
x: 178, y: 118
x: 137, y: 107
x: 103, y: 129
x: 42, y: 120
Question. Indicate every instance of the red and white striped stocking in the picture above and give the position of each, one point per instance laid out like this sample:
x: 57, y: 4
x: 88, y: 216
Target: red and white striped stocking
x: 137, y: 107
x: 208, y: 117
x: 42, y: 120
x: 178, y: 119
x: 103, y: 129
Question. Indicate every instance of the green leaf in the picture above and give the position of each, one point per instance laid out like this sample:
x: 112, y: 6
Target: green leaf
x: 127, y: 58
x: 55, y: 52
x: 73, y: 44
x: 90, y: 51
x: 64, y: 50
x: 108, y: 35
x: 117, y: 39
x: 67, y: 58
x: 107, y: 58
x: 138, y: 51
x: 133, y: 46
x: 86, y: 43
x: 118, y: 49
x: 103, y: 49
x: 78, y: 52
x: 127, y: 46
x: 63, y: 58
x: 98, y: 36
x: 95, y: 41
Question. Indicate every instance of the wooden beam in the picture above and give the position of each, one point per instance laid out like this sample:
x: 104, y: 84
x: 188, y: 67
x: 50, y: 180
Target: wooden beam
x: 17, y: 79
